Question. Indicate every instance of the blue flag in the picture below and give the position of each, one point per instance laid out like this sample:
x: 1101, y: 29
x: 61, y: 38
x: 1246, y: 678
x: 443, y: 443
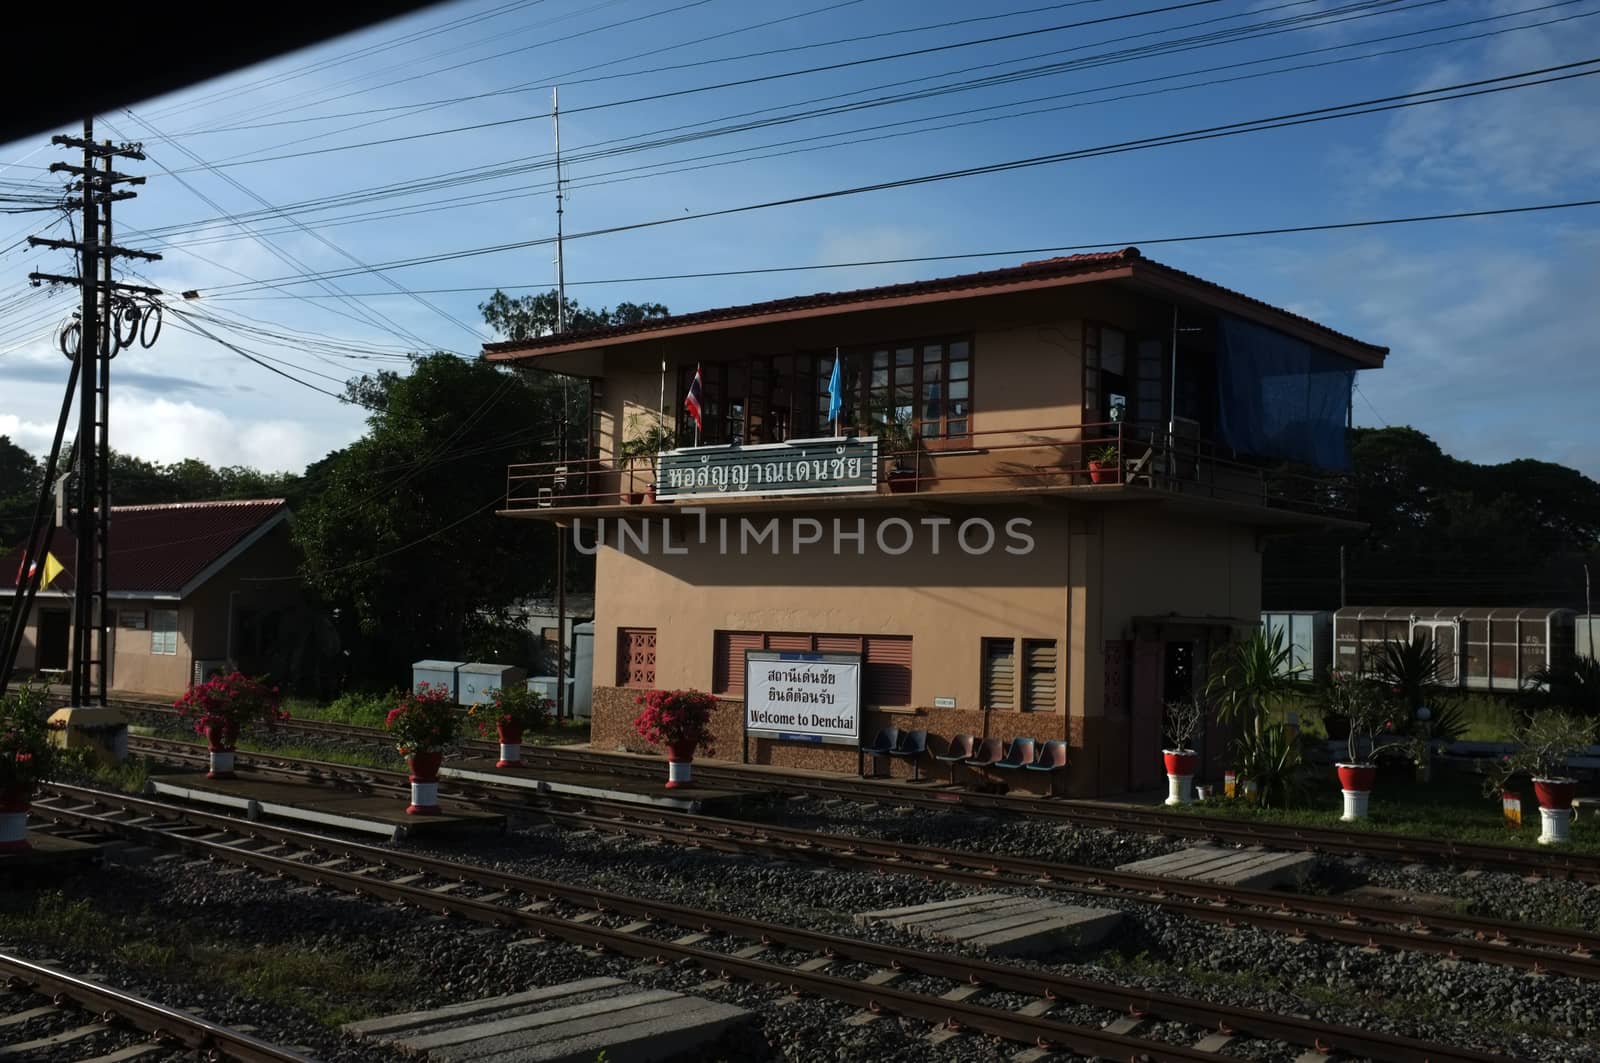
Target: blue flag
x: 835, y: 391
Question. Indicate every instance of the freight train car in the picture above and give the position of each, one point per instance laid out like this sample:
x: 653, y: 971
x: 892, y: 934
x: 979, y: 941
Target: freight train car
x: 1481, y: 648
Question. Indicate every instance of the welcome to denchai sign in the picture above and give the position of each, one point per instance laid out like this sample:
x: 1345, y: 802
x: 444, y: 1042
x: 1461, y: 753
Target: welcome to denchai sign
x: 800, y: 466
x: 815, y: 697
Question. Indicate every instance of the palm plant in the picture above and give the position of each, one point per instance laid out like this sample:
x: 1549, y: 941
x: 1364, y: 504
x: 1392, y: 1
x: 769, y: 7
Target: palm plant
x: 1575, y: 684
x: 1412, y: 669
x: 1250, y: 678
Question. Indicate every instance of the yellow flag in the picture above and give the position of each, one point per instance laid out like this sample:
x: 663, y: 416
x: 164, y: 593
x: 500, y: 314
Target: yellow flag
x: 52, y: 569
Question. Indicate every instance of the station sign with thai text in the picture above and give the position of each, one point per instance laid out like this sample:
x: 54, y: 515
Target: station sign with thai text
x: 813, y: 697
x: 800, y: 466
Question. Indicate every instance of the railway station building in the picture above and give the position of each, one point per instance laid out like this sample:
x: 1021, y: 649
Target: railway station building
x: 1035, y: 509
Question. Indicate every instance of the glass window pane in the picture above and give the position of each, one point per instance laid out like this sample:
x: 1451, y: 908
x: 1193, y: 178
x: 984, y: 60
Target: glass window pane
x: 959, y: 349
x: 958, y: 370
x: 904, y: 374
x: 1112, y: 349
x: 931, y: 400
x: 880, y: 378
x: 958, y: 389
x: 933, y: 372
x: 905, y: 356
x: 930, y: 429
x: 880, y: 359
x: 957, y: 428
x: 933, y: 353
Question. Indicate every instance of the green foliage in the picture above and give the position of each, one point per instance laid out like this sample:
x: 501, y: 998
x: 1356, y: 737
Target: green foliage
x: 1544, y: 742
x: 531, y: 316
x: 1270, y: 759
x: 402, y: 537
x: 513, y: 706
x: 20, y: 473
x: 1411, y: 668
x: 1250, y: 678
x: 1361, y: 703
x: 27, y: 756
x: 357, y: 708
x: 1575, y: 685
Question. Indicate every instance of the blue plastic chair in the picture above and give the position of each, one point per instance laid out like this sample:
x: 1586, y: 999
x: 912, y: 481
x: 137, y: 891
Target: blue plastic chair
x: 1020, y: 755
x: 1052, y: 759
x: 988, y: 752
x: 913, y: 746
x: 883, y: 745
x: 959, y: 749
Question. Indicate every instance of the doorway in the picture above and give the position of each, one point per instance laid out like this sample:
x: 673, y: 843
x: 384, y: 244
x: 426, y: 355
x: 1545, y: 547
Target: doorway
x: 55, y: 627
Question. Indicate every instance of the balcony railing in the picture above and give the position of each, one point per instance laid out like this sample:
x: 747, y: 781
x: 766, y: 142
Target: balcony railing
x: 1111, y: 457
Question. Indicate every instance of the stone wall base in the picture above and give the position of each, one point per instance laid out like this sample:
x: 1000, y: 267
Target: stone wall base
x: 1094, y: 769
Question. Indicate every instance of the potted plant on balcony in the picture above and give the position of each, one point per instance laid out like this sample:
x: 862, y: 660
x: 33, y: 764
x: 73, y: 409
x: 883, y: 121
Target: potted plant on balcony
x: 508, y: 715
x: 1544, y: 742
x: 647, y: 437
x: 1360, y: 703
x: 424, y: 724
x: 221, y: 708
x: 897, y: 446
x: 1183, y: 719
x: 1104, y: 464
x: 27, y: 757
x: 680, y: 720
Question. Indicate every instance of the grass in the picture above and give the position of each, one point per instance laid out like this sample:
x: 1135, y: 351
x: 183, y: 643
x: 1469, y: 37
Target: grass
x: 289, y: 974
x: 1489, y: 718
x: 1451, y: 807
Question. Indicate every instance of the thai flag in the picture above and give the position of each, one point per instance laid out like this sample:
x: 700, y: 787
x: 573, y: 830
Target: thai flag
x: 692, y: 401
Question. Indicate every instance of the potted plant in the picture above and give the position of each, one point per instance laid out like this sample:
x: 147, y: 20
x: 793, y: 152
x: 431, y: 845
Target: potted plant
x: 680, y: 720
x: 424, y: 724
x: 898, y: 446
x: 1412, y: 670
x: 27, y: 757
x: 1544, y: 742
x: 1182, y: 720
x: 221, y: 708
x: 1360, y: 703
x: 511, y: 713
x: 1104, y: 464
x: 647, y: 437
x: 1247, y: 681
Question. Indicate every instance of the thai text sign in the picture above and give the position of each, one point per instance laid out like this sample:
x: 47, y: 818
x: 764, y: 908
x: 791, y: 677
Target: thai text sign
x: 811, y: 696
x: 800, y: 466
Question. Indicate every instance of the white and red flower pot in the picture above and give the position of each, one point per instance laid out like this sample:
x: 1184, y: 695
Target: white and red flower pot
x: 510, y: 745
x: 1180, y: 774
x: 14, y: 821
x: 1356, y: 780
x: 220, y: 739
x: 424, y: 783
x: 680, y: 761
x: 1555, y: 809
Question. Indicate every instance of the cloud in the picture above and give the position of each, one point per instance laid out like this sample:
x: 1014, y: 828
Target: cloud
x: 163, y: 430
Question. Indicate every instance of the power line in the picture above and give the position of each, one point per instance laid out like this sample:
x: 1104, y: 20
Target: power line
x: 1462, y: 90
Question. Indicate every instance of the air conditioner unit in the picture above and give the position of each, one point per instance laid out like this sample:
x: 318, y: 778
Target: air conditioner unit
x: 204, y: 670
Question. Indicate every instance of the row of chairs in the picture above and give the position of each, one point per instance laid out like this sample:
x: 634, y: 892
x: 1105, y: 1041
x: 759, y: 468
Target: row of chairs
x: 1022, y: 754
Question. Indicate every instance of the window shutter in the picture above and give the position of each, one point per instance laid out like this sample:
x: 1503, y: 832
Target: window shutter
x: 999, y: 674
x: 1039, y: 675
x: 886, y: 678
x: 728, y: 671
x: 789, y: 643
x: 839, y: 644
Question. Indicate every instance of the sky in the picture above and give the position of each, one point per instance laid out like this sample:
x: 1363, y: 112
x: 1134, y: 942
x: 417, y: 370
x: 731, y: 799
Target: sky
x: 674, y: 108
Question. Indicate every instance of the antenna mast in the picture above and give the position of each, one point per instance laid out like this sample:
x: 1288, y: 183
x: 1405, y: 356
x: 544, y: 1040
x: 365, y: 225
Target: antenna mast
x: 561, y: 266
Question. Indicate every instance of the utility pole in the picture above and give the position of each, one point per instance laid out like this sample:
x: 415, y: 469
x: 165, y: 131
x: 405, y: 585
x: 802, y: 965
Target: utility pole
x: 561, y: 264
x: 106, y: 304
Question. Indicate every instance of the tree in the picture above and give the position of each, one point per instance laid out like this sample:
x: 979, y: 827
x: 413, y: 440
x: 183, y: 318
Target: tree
x: 402, y: 537
x: 19, y: 492
x: 531, y: 316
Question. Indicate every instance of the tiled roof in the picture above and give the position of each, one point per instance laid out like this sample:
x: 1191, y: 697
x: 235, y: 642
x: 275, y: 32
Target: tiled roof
x: 1040, y: 270
x: 161, y: 549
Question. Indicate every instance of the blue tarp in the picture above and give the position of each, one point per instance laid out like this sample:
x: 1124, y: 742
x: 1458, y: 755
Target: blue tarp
x: 1279, y: 397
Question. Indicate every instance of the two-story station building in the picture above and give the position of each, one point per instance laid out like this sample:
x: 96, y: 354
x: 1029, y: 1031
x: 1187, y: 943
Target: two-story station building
x: 1039, y: 508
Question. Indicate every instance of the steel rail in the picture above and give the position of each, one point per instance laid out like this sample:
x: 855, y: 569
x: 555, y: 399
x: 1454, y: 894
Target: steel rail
x: 1325, y: 1037
x: 1338, y: 920
x: 159, y: 1021
x: 1558, y: 864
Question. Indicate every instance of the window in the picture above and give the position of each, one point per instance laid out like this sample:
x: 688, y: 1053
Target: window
x: 1038, y: 675
x: 924, y: 386
x: 636, y: 657
x: 164, y: 631
x: 885, y: 661
x: 999, y: 674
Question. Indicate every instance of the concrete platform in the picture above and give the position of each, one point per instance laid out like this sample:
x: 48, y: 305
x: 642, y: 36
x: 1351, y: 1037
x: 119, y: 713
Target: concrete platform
x: 50, y: 852
x: 1001, y: 924
x: 545, y: 780
x: 320, y: 804
x: 1253, y: 868
x: 577, y: 1022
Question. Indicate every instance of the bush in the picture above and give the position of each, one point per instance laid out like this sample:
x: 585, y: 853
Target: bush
x: 27, y: 756
x: 670, y: 717
x: 514, y: 707
x: 230, y: 702
x: 425, y: 721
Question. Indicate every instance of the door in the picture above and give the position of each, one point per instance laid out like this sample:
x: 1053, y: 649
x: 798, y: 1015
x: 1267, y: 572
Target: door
x: 54, y: 632
x: 1145, y: 769
x: 1443, y: 637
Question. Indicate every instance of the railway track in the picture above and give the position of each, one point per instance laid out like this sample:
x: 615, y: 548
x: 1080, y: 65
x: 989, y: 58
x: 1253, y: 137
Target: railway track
x: 1348, y: 921
x: 848, y: 970
x: 1334, y: 841
x: 47, y: 1001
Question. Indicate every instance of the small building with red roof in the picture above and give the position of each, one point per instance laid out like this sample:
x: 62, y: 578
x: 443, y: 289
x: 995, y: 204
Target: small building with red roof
x: 193, y: 587
x: 1028, y: 502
